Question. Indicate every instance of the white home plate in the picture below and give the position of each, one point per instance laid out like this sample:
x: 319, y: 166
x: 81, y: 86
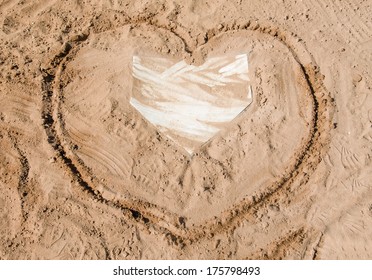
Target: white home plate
x: 188, y: 103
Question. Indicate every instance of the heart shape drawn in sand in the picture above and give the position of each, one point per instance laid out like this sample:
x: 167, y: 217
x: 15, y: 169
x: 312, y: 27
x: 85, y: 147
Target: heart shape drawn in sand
x: 188, y: 103
x: 104, y: 98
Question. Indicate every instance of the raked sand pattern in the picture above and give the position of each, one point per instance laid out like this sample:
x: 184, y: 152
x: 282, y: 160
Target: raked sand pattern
x: 189, y: 103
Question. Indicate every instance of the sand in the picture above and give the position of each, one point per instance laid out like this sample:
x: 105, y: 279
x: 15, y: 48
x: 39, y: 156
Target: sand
x: 84, y: 175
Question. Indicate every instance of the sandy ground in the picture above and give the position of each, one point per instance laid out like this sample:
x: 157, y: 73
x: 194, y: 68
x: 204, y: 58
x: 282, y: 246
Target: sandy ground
x: 84, y: 176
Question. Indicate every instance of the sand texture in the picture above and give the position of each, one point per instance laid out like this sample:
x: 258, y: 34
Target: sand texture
x: 274, y: 160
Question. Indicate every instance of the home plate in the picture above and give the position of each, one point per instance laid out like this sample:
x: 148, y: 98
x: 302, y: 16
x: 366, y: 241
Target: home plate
x: 188, y: 103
